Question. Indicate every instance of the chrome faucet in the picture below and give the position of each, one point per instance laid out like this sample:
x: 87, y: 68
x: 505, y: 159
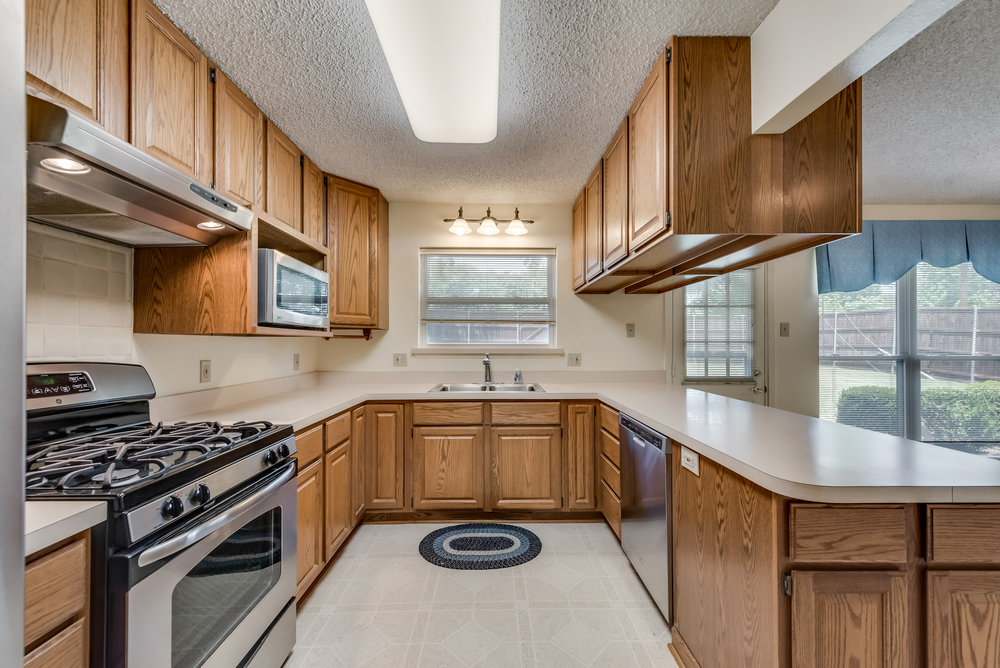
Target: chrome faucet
x: 489, y: 370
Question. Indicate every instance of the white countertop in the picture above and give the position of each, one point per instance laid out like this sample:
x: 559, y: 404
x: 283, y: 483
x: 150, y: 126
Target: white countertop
x: 790, y: 454
x: 48, y: 522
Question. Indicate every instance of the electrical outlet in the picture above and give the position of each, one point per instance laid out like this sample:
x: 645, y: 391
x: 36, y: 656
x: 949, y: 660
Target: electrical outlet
x: 630, y: 330
x: 206, y: 371
x: 399, y: 359
x: 295, y: 362
x: 783, y: 329
x: 572, y: 359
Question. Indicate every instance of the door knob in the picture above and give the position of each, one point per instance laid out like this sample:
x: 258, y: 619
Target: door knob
x: 759, y: 389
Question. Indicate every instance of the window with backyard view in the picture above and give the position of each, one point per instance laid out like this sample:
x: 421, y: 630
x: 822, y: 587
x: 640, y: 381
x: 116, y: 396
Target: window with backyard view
x: 491, y: 297
x: 919, y: 358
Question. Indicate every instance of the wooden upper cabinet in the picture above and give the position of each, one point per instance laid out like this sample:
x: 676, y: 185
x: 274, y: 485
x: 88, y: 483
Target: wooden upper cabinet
x: 385, y: 456
x: 580, y: 439
x: 647, y: 126
x: 239, y: 144
x: 284, y: 178
x: 448, y: 468
x: 852, y: 618
x: 357, y: 217
x: 76, y: 51
x: 615, y: 241
x: 594, y: 217
x: 313, y: 203
x: 580, y: 239
x: 171, y: 109
x: 525, y: 468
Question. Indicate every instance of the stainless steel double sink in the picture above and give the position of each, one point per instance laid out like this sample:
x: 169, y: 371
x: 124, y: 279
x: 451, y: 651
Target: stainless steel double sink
x: 486, y: 387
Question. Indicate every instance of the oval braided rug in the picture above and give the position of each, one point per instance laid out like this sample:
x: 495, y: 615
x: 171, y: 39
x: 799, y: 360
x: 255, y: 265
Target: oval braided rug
x: 480, y: 546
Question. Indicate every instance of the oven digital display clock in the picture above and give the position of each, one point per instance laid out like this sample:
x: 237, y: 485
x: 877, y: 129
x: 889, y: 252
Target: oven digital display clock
x: 58, y: 385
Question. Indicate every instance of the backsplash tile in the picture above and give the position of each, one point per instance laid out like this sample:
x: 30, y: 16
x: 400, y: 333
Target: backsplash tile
x: 79, y: 298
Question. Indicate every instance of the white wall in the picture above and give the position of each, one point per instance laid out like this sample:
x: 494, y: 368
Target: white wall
x: 79, y: 307
x: 793, y: 361
x: 593, y: 325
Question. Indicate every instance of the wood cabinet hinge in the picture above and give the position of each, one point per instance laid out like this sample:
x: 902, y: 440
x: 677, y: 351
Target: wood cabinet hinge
x: 211, y: 74
x: 326, y: 181
x: 302, y: 161
x: 786, y: 585
x: 412, y: 432
x: 669, y: 220
x: 668, y: 56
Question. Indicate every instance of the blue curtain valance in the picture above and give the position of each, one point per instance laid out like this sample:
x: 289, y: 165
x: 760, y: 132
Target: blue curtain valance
x: 887, y: 249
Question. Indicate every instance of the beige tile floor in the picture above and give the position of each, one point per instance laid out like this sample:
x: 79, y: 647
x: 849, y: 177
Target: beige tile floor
x: 578, y: 603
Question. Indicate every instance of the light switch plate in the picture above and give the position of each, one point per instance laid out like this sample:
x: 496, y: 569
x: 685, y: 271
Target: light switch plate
x: 783, y: 329
x: 295, y: 362
x: 573, y: 359
x: 399, y: 359
x: 691, y: 461
x: 630, y: 330
x: 205, y: 371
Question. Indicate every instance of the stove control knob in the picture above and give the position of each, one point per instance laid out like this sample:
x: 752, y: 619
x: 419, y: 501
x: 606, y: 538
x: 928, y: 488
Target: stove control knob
x: 172, y: 507
x: 200, y: 495
x: 270, y: 457
x: 283, y: 450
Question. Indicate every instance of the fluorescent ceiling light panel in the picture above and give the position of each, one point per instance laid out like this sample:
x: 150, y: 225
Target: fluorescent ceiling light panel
x: 445, y: 60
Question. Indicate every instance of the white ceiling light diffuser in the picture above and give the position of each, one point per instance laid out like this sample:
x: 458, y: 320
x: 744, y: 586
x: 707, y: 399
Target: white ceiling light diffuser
x: 445, y: 59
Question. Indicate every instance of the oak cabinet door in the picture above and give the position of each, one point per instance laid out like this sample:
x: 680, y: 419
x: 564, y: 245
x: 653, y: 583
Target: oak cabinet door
x: 963, y: 619
x: 358, y: 464
x: 580, y: 239
x: 647, y: 124
x: 171, y: 110
x: 313, y: 202
x: 615, y: 240
x: 526, y: 468
x: 385, y: 456
x: 850, y: 618
x: 339, y: 514
x: 595, y: 222
x: 76, y: 51
x: 580, y: 458
x: 310, y: 526
x: 448, y: 468
x: 284, y: 178
x: 353, y: 220
x: 239, y: 144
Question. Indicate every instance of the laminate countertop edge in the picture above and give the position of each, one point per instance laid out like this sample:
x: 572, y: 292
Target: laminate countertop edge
x: 48, y: 522
x: 796, y: 456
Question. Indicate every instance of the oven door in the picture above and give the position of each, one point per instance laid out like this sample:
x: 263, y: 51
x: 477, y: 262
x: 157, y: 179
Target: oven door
x: 210, y: 594
x: 292, y: 293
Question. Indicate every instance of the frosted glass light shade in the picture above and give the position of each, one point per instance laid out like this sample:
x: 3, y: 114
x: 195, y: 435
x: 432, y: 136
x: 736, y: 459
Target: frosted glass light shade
x: 460, y: 227
x: 516, y: 227
x: 488, y: 226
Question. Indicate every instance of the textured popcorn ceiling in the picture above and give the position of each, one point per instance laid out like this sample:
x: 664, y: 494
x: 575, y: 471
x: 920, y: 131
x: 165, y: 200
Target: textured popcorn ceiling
x: 932, y: 114
x: 569, y: 70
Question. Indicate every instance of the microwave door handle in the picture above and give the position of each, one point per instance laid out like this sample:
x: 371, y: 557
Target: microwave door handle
x: 175, y: 545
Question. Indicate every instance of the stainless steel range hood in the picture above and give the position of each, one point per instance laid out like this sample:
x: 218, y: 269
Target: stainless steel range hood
x: 114, y: 191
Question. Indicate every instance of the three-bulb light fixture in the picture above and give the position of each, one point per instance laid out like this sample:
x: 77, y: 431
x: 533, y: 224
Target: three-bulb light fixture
x: 488, y: 224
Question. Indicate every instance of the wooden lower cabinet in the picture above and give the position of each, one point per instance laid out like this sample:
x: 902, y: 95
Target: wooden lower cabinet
x: 448, y: 468
x: 358, y: 464
x: 963, y: 619
x: 850, y: 618
x: 525, y: 468
x: 385, y: 456
x: 67, y: 649
x: 310, y: 526
x: 339, y: 513
x: 611, y: 506
x: 57, y: 605
x: 581, y: 489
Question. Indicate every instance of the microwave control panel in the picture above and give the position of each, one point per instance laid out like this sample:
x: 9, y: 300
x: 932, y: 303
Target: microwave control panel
x: 58, y: 384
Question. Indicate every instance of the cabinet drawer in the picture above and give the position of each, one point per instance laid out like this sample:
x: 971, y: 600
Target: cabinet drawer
x: 446, y: 413
x: 611, y: 448
x: 855, y: 534
x: 611, y: 506
x: 309, y: 446
x: 611, y: 475
x: 609, y: 420
x: 526, y: 412
x: 66, y: 650
x: 338, y: 430
x: 55, y: 589
x: 963, y: 534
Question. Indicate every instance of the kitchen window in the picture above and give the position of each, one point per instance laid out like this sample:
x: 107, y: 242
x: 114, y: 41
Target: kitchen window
x: 919, y: 358
x: 495, y: 297
x: 719, y: 324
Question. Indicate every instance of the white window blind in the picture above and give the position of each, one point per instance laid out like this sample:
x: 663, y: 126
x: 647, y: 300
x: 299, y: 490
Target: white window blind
x: 487, y: 297
x: 718, y: 327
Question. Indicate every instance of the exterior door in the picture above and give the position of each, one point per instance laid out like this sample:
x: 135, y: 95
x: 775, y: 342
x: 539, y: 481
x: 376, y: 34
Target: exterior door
x: 448, y: 468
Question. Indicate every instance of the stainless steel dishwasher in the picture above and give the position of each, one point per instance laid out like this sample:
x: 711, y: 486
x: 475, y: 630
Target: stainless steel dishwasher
x: 645, y: 461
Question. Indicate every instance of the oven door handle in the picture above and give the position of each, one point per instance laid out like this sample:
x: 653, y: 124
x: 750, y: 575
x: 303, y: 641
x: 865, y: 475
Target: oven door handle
x: 175, y: 545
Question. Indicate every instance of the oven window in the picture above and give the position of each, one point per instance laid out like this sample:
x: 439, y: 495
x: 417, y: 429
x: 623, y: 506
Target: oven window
x: 302, y: 294
x: 223, y: 589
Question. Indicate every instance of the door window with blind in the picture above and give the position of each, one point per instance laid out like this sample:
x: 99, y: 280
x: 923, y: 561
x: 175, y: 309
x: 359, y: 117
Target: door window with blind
x: 719, y: 323
x: 471, y: 297
x: 919, y: 358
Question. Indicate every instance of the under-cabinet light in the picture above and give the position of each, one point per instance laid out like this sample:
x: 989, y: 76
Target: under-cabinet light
x: 65, y: 166
x: 210, y: 225
x: 445, y: 59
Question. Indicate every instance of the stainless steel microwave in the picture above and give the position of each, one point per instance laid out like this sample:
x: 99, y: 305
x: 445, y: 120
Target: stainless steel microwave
x: 290, y: 293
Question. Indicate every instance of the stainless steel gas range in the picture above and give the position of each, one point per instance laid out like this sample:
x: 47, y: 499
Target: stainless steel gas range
x: 198, y: 556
